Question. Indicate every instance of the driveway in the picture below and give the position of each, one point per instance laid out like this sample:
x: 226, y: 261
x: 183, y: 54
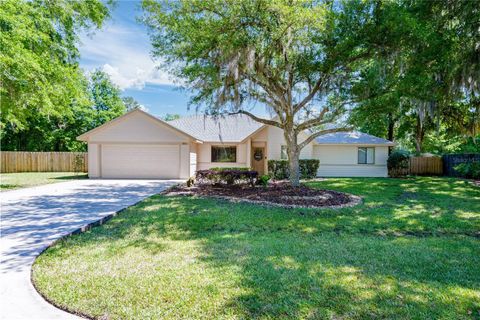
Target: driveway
x: 34, y: 217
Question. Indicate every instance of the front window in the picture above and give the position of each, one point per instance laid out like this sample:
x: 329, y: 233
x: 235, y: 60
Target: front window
x: 366, y: 155
x: 224, y: 154
x: 283, y: 153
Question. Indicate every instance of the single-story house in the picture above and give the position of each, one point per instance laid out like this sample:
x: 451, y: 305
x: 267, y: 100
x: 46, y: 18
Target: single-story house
x: 140, y: 145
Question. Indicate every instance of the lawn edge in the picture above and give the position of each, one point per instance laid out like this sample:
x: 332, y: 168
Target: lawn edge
x: 77, y: 231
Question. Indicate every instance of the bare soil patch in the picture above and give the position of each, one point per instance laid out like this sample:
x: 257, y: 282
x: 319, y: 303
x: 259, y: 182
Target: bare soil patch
x: 276, y: 194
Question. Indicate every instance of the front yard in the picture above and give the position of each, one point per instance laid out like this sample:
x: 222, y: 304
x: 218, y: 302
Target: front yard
x: 10, y: 181
x: 410, y: 251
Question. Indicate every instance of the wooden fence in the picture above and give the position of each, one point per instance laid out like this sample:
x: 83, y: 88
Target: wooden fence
x: 426, y: 166
x: 19, y: 161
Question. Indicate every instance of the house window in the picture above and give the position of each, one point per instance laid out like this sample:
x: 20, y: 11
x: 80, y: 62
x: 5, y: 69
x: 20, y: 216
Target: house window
x: 283, y: 153
x: 224, y: 154
x: 366, y: 155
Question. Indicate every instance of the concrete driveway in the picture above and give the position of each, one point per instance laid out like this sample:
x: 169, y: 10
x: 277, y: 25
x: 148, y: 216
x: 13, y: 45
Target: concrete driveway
x: 32, y: 218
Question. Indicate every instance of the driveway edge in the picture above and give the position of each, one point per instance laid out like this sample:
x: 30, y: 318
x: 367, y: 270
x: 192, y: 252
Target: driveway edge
x: 80, y: 230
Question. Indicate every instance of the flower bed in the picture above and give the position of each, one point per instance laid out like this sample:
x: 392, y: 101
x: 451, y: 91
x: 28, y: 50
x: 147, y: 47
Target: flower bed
x: 278, y: 194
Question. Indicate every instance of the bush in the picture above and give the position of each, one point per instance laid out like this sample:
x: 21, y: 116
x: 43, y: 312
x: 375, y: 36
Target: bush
x: 263, y: 180
x: 279, y: 169
x: 398, y: 162
x: 469, y: 169
x: 230, y: 168
x: 226, y: 176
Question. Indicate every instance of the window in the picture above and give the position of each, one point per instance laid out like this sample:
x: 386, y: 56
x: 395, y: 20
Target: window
x: 366, y: 155
x: 224, y: 154
x: 283, y: 153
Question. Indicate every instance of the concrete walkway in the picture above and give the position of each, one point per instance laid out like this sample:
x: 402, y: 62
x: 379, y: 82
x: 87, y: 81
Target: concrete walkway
x: 34, y: 217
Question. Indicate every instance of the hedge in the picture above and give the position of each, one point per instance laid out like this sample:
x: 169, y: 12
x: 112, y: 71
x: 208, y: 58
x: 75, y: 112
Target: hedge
x: 279, y: 169
x: 227, y: 176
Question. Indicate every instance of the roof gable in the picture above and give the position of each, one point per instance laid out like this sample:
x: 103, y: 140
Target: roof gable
x: 135, y: 125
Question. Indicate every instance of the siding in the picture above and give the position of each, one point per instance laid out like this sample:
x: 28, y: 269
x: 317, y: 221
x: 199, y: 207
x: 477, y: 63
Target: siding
x: 275, y: 142
x: 341, y: 161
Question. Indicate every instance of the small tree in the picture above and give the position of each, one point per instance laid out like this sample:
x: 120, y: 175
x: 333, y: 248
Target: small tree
x: 294, y: 57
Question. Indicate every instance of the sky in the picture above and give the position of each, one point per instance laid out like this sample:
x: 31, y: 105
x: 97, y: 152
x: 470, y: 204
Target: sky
x: 122, y: 49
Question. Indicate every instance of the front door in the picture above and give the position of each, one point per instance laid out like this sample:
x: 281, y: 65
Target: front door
x: 258, y: 160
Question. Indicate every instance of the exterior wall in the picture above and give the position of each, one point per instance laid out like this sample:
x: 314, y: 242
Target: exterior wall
x: 342, y: 161
x: 138, y: 127
x: 276, y: 140
x: 193, y: 159
x: 204, y: 156
x: 184, y: 161
x: 93, y: 160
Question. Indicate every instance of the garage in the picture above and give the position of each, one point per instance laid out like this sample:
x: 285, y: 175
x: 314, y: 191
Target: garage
x: 138, y: 145
x: 140, y: 161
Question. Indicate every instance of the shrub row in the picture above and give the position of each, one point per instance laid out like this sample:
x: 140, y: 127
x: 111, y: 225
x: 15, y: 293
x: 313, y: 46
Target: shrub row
x: 469, y: 169
x: 397, y: 163
x: 279, y: 169
x: 228, y: 176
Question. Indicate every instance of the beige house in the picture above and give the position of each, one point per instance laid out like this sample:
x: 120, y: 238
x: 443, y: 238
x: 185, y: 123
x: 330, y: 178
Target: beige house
x: 139, y: 145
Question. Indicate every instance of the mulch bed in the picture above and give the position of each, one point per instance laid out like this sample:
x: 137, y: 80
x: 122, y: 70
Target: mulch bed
x: 276, y: 194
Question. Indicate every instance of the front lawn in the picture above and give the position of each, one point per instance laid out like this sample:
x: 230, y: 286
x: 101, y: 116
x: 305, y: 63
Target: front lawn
x: 411, y: 251
x: 9, y: 181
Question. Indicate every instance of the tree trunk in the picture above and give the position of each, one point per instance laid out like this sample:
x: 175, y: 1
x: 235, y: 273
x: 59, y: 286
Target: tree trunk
x: 391, y: 126
x: 294, y: 165
x: 293, y: 155
x: 419, y: 135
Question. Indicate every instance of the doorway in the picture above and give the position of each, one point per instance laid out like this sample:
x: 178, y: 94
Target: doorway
x: 258, y: 160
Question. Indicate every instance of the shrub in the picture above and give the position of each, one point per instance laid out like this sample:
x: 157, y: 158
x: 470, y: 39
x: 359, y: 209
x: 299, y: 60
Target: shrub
x: 263, y: 180
x: 309, y: 168
x: 227, y: 176
x: 279, y: 169
x: 398, y: 162
x: 230, y: 168
x: 469, y: 169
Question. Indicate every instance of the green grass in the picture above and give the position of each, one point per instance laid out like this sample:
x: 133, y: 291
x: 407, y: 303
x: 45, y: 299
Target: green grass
x: 411, y: 251
x: 10, y: 181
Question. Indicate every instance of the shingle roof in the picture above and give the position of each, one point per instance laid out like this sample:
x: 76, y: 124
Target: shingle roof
x: 230, y: 128
x: 353, y: 137
x: 236, y: 128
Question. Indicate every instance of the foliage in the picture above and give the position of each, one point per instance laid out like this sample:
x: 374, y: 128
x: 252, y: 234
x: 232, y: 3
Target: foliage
x: 59, y: 132
x: 409, y: 251
x: 79, y: 163
x: 421, y: 84
x: 263, y: 180
x: 230, y: 168
x: 170, y: 117
x: 279, y: 169
x: 469, y: 169
x: 39, y: 58
x: 296, y: 58
x: 131, y: 104
x: 397, y: 162
x: 229, y: 176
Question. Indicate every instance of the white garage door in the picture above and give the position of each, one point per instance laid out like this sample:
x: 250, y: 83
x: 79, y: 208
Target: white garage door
x: 140, y: 161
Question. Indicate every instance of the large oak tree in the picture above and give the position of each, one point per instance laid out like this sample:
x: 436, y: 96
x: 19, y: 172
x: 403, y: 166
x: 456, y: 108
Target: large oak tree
x: 295, y: 57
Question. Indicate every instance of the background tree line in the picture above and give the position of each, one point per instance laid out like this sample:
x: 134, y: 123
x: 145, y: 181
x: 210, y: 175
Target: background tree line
x: 406, y: 70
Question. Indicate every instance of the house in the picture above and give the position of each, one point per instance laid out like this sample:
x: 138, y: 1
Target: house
x: 139, y: 145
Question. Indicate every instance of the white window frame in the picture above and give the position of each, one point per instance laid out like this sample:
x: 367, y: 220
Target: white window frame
x: 366, y: 156
x: 283, y: 152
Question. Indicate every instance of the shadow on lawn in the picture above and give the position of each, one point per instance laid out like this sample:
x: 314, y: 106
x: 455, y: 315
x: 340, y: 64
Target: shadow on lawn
x: 323, y: 264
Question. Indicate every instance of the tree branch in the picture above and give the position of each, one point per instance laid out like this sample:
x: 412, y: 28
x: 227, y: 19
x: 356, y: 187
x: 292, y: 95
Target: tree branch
x: 321, y: 133
x: 309, y: 97
x: 261, y: 120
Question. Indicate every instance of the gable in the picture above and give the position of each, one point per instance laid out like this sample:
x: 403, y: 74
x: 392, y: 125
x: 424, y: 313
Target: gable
x: 136, y: 126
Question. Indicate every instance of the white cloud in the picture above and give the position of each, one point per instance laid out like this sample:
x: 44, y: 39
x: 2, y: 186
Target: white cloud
x: 124, y: 54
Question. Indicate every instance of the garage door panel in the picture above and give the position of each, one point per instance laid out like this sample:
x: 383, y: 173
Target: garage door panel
x: 140, y: 161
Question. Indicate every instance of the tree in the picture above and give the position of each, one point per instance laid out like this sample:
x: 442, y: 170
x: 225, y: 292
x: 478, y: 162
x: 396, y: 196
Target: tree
x: 170, y: 117
x: 39, y: 71
x: 130, y: 103
x: 106, y: 98
x: 294, y: 57
x: 59, y: 132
